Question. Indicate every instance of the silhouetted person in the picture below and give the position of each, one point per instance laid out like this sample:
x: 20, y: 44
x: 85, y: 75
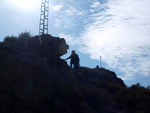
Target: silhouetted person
x: 74, y: 60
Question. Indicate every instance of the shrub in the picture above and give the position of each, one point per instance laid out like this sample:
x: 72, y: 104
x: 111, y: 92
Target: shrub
x: 10, y: 40
x: 24, y: 35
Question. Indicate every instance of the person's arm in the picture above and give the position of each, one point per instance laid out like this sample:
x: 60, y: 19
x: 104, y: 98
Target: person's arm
x: 68, y: 58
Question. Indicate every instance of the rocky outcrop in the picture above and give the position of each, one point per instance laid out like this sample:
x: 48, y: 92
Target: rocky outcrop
x: 33, y: 79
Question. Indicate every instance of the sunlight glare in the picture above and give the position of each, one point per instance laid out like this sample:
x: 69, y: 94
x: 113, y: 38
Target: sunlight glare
x: 26, y: 5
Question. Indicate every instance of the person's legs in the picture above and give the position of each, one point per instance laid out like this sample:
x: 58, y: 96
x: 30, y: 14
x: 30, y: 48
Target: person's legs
x: 76, y: 66
x: 71, y: 64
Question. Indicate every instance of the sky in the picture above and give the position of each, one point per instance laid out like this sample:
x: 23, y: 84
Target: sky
x: 116, y: 30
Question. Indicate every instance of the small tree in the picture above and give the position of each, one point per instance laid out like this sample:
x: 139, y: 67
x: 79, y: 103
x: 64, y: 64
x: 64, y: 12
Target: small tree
x: 24, y: 35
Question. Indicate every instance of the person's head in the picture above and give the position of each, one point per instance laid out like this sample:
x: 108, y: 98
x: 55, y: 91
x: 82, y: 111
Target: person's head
x: 73, y: 51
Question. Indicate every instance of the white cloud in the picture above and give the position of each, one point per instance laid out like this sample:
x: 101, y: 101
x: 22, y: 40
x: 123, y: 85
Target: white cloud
x: 95, y: 4
x: 57, y: 7
x: 120, y: 34
x: 72, y: 41
x: 71, y: 11
x: 58, y: 23
x: 68, y: 17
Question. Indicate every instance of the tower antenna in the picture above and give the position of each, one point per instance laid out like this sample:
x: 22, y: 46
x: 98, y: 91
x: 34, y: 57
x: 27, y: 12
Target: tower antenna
x: 100, y: 62
x: 43, y: 28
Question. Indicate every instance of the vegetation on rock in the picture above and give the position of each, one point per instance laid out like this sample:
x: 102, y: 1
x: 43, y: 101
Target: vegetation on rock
x: 33, y: 79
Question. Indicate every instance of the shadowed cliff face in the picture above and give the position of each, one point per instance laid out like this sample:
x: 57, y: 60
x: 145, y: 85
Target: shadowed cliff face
x: 31, y: 73
x: 44, y: 46
x: 33, y: 79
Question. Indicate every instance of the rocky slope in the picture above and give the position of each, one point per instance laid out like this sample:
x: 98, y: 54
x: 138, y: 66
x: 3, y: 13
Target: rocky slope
x: 33, y: 79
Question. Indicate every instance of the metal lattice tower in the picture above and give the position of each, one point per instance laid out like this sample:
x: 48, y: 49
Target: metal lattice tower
x: 43, y: 28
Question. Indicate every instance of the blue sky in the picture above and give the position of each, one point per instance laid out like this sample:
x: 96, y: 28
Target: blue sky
x: 116, y: 30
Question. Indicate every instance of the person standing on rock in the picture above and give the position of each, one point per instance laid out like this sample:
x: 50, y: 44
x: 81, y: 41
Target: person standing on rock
x: 74, y: 60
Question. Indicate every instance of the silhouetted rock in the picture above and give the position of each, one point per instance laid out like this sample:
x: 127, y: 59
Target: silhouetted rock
x: 33, y: 79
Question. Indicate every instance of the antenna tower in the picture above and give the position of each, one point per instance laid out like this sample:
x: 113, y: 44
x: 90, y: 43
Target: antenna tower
x: 43, y: 28
x: 100, y: 62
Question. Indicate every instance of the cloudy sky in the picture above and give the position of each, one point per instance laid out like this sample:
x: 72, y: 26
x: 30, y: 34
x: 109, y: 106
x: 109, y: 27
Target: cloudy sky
x: 116, y: 30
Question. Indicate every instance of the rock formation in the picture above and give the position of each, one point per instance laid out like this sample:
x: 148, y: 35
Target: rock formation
x: 33, y: 79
